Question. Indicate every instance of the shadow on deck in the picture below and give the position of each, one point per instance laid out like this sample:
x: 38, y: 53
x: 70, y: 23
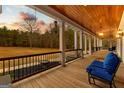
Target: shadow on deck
x: 73, y: 75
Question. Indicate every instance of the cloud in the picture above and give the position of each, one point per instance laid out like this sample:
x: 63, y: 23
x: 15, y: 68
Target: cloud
x: 27, y: 16
x: 41, y: 23
x: 42, y: 26
x: 10, y: 26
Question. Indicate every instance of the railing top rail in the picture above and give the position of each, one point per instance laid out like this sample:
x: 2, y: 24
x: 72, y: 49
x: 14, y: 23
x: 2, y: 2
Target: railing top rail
x: 22, y: 56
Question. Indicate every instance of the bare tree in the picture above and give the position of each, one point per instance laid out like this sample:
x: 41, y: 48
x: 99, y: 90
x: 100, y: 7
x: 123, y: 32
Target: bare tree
x: 29, y: 23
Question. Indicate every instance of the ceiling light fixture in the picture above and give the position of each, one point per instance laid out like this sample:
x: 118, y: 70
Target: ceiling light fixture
x: 119, y: 32
x: 100, y: 34
x: 117, y: 36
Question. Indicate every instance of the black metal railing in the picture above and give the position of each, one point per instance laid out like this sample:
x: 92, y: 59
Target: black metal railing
x: 20, y: 67
x: 72, y: 54
x: 96, y: 48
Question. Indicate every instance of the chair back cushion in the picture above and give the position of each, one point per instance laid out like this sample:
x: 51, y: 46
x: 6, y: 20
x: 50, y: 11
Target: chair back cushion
x: 110, y: 63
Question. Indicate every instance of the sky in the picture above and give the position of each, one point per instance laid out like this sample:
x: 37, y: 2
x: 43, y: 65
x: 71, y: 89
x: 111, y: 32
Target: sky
x: 11, y: 15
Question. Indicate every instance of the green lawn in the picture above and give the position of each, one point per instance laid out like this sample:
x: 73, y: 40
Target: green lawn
x: 17, y: 51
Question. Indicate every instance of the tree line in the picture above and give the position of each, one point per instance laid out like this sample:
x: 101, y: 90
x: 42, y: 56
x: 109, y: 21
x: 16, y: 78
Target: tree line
x: 50, y: 39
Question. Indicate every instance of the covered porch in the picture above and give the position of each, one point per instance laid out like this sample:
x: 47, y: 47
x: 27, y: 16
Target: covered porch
x: 72, y: 76
x: 67, y: 68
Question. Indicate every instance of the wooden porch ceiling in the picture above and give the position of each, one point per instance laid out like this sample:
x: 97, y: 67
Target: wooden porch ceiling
x: 102, y: 18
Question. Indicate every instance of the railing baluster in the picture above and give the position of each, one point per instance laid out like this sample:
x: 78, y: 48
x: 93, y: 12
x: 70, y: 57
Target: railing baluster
x: 38, y: 63
x: 26, y: 65
x: 33, y: 64
x: 47, y: 63
x: 9, y: 66
x: 41, y: 62
x: 50, y: 55
x: 23, y: 59
x: 53, y: 57
x: 50, y: 58
x: 40, y: 58
x: 21, y: 66
x: 14, y: 68
x: 18, y: 68
x: 23, y: 73
x: 30, y: 64
x: 3, y: 67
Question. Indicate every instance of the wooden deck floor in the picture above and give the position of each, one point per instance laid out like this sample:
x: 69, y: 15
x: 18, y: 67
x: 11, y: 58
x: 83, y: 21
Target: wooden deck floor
x: 72, y: 76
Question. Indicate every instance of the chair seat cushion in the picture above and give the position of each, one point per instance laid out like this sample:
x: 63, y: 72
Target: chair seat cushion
x: 97, y: 63
x: 99, y: 72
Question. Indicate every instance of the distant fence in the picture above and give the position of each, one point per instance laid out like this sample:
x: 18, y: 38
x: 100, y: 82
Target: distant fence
x: 20, y: 67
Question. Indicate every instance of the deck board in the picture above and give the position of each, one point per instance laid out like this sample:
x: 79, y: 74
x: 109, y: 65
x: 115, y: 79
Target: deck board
x: 72, y: 76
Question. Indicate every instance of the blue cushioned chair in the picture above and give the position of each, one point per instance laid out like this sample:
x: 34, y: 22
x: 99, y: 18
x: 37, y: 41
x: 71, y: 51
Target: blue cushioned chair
x: 104, y: 71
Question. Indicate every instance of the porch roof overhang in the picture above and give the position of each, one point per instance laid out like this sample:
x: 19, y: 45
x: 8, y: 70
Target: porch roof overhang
x: 92, y: 19
x: 58, y: 16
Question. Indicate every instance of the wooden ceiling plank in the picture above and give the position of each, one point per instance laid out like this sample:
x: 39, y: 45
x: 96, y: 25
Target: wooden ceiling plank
x: 99, y: 18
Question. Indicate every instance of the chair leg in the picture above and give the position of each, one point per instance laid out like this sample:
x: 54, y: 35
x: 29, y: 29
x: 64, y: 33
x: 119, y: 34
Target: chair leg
x: 93, y: 80
x: 110, y: 84
x: 114, y: 84
x: 89, y: 78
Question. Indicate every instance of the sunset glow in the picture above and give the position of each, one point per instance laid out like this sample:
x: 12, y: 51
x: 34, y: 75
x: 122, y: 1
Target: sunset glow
x: 12, y: 15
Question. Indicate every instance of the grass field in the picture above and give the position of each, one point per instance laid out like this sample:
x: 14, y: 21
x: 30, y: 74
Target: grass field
x: 17, y: 51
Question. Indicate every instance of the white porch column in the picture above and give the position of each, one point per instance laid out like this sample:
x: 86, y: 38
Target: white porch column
x: 94, y: 43
x: 90, y: 50
x: 75, y: 40
x: 85, y: 45
x: 62, y: 42
x: 100, y: 43
x: 97, y: 44
x: 81, y: 43
x: 122, y: 49
x: 119, y: 47
x: 110, y: 42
